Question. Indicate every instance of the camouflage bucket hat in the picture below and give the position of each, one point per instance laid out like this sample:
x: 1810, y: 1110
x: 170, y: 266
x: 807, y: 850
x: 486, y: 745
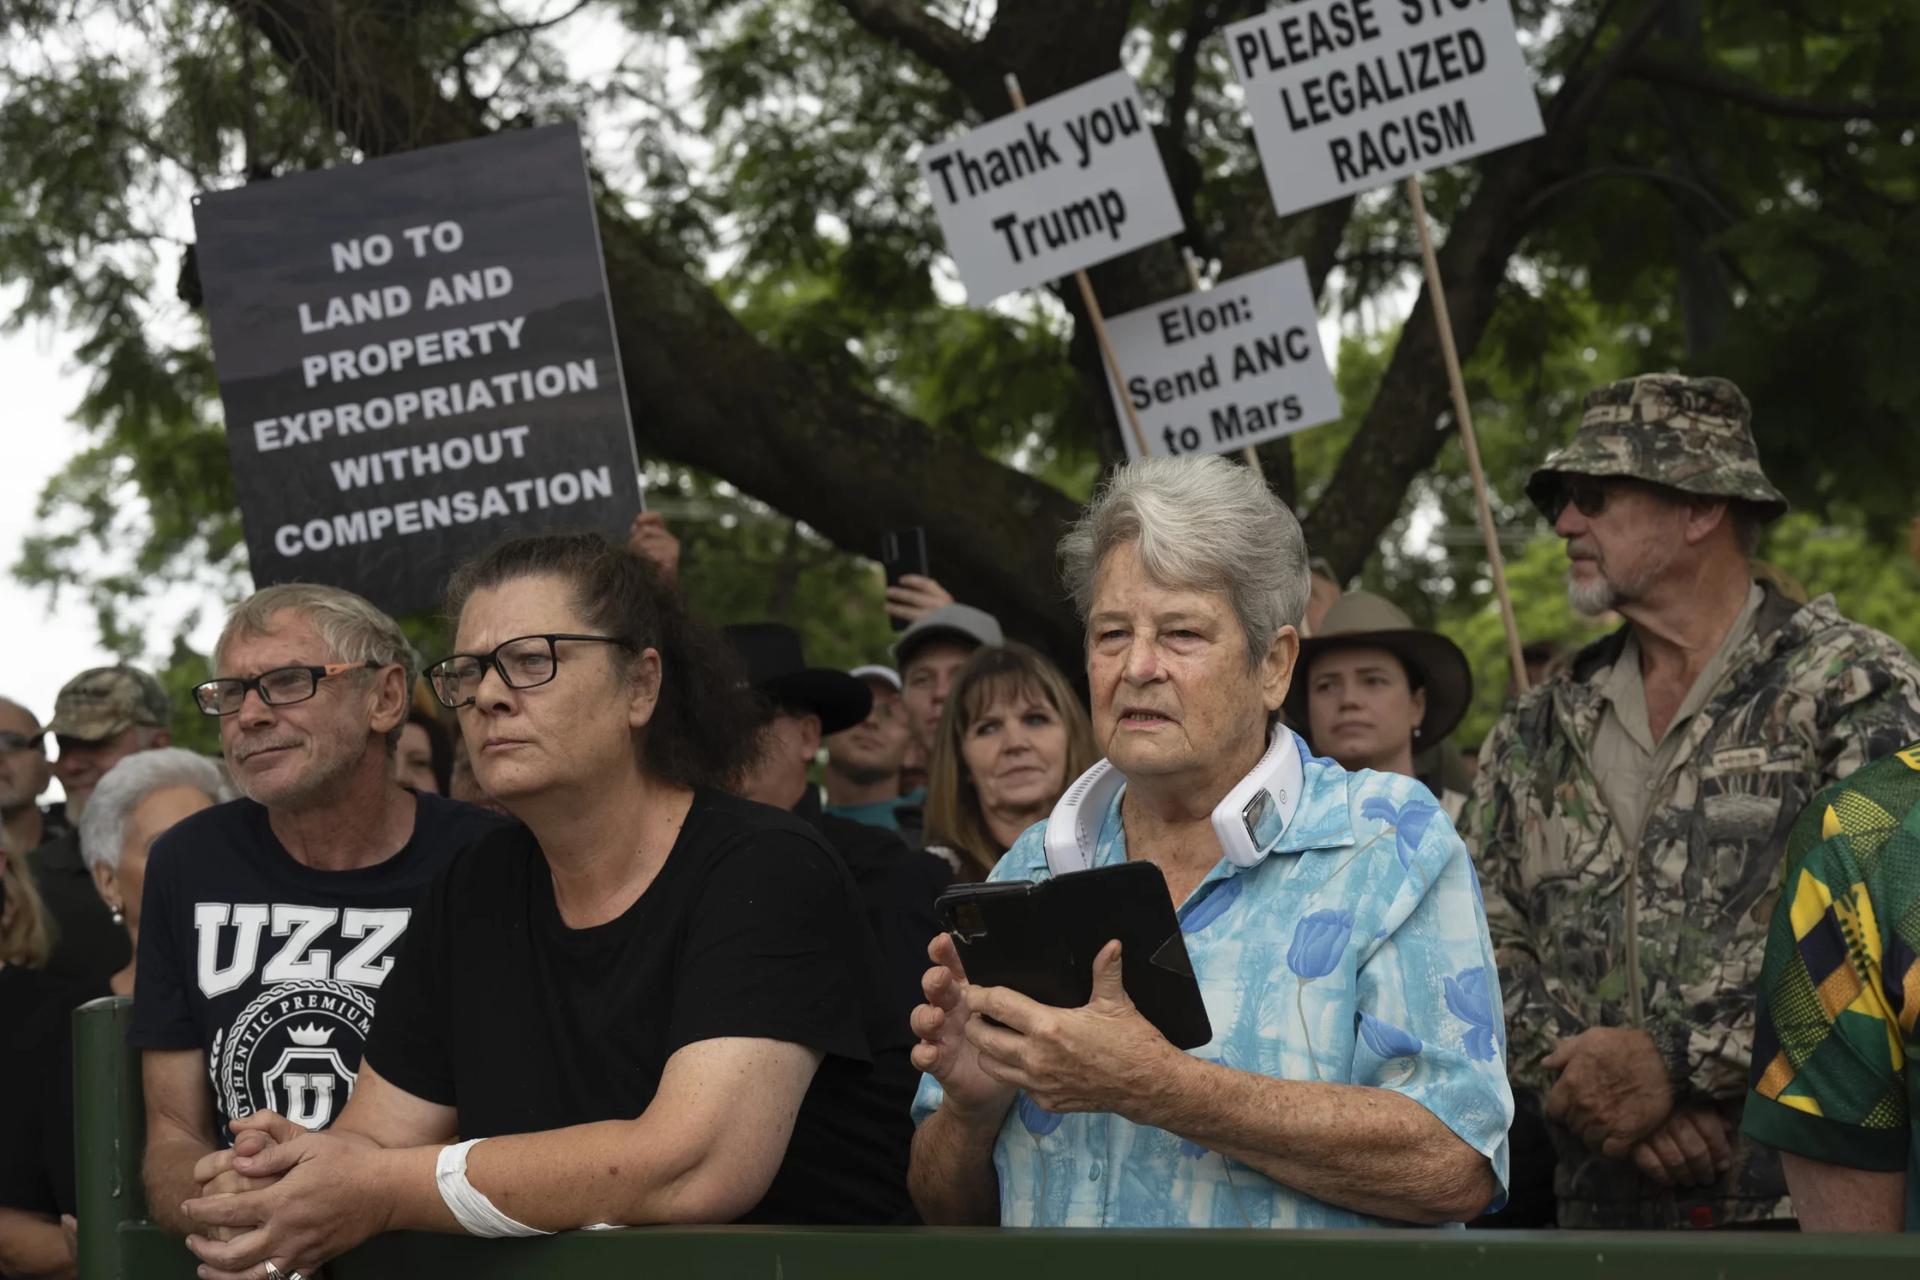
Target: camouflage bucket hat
x: 1690, y: 434
x: 99, y: 703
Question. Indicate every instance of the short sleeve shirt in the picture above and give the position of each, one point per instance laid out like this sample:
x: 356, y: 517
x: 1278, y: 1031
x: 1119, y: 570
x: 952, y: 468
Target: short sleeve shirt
x: 750, y: 928
x: 1838, y: 1020
x: 1356, y: 952
x: 272, y: 967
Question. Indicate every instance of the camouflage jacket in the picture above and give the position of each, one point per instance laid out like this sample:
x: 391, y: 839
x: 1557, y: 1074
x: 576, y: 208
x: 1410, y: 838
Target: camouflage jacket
x: 1670, y: 936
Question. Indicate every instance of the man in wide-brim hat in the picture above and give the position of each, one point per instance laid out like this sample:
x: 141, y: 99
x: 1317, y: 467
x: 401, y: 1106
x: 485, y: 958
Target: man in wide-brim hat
x: 1371, y: 688
x: 1631, y: 812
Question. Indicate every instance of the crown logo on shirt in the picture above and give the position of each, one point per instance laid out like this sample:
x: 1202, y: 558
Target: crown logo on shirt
x: 311, y: 1036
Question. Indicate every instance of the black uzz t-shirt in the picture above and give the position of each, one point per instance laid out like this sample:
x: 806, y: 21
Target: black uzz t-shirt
x: 751, y: 928
x: 274, y: 967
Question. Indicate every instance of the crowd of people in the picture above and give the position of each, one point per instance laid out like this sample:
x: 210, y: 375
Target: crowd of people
x: 609, y: 917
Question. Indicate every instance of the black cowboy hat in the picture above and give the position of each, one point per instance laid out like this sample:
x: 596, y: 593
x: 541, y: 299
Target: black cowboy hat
x: 775, y: 667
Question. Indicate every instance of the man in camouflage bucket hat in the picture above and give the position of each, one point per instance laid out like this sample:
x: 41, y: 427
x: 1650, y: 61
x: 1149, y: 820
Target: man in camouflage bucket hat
x: 100, y: 717
x: 1631, y: 813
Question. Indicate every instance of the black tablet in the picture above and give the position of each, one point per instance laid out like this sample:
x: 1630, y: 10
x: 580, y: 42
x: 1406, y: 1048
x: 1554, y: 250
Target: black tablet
x: 1040, y: 938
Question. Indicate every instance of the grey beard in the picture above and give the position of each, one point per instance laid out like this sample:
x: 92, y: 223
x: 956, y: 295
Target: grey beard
x: 1592, y: 598
x: 1603, y: 593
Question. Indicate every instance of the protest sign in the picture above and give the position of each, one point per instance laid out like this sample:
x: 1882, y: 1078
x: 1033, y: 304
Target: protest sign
x: 1225, y: 368
x: 1051, y: 189
x: 416, y: 357
x: 1347, y: 95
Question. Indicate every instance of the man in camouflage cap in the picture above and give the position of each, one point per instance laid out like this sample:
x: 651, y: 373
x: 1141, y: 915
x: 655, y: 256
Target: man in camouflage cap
x: 1631, y: 813
x: 100, y: 717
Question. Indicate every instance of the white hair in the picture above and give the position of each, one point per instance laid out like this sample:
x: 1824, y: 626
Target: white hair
x: 1198, y: 524
x: 350, y: 626
x: 103, y: 825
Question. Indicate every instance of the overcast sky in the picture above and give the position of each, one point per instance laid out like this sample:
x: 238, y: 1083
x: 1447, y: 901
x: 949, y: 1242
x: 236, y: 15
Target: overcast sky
x: 43, y: 642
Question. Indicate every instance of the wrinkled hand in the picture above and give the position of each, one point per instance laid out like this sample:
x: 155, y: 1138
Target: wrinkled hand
x: 944, y: 1051
x: 914, y: 597
x: 253, y: 1135
x: 324, y: 1198
x: 650, y: 539
x: 1613, y: 1088
x: 1103, y: 1056
x: 1690, y: 1149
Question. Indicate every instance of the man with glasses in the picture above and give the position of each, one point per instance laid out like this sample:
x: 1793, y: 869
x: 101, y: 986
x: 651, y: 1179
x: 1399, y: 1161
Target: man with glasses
x: 100, y: 717
x: 24, y: 775
x: 1631, y: 813
x: 270, y: 923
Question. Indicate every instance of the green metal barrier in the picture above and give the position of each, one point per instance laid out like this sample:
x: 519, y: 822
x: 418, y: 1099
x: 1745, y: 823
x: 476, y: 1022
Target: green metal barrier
x: 117, y: 1243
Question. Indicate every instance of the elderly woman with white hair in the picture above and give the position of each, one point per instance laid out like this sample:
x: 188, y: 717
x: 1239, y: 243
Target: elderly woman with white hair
x: 134, y: 802
x: 133, y: 805
x: 1355, y: 1076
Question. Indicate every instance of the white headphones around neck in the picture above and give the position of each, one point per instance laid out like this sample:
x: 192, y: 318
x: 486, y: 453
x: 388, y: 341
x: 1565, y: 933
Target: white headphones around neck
x: 1248, y: 822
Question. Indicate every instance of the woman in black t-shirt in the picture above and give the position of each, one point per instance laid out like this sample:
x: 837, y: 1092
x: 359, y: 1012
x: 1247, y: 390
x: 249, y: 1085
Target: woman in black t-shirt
x: 648, y: 1005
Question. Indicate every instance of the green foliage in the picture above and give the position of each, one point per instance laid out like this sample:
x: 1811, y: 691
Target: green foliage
x: 1742, y: 206
x: 1874, y: 581
x: 742, y: 562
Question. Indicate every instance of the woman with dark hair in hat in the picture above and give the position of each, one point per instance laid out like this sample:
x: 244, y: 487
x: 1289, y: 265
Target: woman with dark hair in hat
x: 1373, y: 689
x: 648, y: 1004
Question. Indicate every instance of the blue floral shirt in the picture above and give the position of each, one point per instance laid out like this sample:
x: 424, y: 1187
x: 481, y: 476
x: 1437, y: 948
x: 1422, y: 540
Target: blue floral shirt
x: 1356, y: 952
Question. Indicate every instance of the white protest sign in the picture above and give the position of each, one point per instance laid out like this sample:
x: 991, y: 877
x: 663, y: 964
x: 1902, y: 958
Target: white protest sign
x: 1347, y: 95
x: 1227, y: 367
x: 1051, y: 189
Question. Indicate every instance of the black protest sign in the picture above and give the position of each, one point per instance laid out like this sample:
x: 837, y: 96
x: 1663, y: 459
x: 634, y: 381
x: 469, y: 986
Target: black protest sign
x: 417, y: 359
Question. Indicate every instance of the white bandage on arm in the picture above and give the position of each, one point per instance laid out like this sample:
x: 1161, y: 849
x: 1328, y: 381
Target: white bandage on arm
x: 475, y: 1213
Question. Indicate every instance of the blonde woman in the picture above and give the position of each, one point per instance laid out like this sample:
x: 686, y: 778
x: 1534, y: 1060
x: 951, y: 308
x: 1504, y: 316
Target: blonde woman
x: 33, y: 1024
x: 1012, y: 736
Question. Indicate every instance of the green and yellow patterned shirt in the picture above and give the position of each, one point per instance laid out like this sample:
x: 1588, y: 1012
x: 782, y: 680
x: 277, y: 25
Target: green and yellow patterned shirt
x: 1834, y: 1076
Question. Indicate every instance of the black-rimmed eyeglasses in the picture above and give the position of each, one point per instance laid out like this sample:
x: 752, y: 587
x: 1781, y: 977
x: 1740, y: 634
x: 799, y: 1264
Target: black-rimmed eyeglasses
x: 524, y: 662
x: 280, y: 687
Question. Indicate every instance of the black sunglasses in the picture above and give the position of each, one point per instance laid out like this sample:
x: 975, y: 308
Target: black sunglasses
x: 12, y: 742
x: 1588, y: 497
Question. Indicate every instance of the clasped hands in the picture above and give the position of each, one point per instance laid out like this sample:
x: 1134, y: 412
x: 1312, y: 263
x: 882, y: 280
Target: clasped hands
x: 984, y: 1043
x: 1613, y: 1092
x: 281, y: 1194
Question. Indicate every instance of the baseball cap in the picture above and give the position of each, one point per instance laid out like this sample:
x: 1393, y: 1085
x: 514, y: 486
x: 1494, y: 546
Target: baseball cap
x: 102, y: 701
x: 962, y: 622
x: 874, y: 671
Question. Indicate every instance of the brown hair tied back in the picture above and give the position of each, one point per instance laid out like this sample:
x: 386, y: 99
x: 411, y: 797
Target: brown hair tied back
x: 705, y: 726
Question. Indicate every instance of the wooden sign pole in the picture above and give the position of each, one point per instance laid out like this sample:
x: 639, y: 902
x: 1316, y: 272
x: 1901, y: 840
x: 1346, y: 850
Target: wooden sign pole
x: 1464, y: 414
x: 1093, y: 311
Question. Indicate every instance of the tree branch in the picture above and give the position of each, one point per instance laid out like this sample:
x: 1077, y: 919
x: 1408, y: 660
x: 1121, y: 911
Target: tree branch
x: 1748, y: 94
x: 1397, y: 441
x: 905, y: 23
x: 517, y: 29
x: 705, y: 392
